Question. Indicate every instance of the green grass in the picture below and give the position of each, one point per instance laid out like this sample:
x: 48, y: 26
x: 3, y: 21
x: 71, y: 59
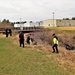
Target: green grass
x: 15, y: 60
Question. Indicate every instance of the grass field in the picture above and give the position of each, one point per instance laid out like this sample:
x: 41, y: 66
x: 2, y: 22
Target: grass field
x: 15, y: 60
x: 64, y: 28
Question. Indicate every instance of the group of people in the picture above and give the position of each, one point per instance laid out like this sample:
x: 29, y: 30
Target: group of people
x: 30, y: 39
x: 8, y: 32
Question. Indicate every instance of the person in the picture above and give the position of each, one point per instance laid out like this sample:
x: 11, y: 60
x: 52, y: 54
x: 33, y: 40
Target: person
x: 32, y: 40
x: 28, y: 39
x: 55, y: 45
x: 6, y: 32
x: 21, y: 38
x: 10, y: 32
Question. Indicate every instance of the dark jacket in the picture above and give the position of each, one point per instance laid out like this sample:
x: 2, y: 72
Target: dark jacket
x: 28, y: 39
x: 21, y: 37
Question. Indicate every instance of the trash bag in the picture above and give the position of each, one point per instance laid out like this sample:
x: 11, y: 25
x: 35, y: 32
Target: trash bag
x: 33, y: 41
x: 68, y: 47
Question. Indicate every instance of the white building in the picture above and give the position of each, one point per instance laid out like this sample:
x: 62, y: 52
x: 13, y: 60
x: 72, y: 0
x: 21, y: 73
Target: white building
x: 28, y: 24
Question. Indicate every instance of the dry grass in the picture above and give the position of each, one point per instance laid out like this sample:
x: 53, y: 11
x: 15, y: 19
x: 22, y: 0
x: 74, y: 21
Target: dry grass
x: 65, y: 58
x: 64, y: 28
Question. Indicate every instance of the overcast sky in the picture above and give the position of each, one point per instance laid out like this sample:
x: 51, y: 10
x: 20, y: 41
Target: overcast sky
x: 36, y: 10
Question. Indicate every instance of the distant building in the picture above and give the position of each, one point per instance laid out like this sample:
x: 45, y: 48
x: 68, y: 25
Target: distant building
x: 28, y: 24
x: 47, y: 23
x: 64, y: 23
x: 58, y: 23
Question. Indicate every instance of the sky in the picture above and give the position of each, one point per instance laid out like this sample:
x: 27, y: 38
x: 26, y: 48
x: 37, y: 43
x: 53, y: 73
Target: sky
x: 36, y: 10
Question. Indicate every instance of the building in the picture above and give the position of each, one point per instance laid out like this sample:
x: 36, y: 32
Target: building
x: 28, y: 24
x: 64, y: 23
x: 58, y: 23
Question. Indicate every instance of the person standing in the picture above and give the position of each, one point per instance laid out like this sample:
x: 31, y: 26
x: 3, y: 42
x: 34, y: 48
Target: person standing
x: 21, y: 38
x: 55, y: 44
x: 28, y: 39
x: 10, y: 32
x: 6, y: 32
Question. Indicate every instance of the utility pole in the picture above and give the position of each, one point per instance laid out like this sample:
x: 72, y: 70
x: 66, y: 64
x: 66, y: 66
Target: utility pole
x: 20, y: 23
x: 53, y: 18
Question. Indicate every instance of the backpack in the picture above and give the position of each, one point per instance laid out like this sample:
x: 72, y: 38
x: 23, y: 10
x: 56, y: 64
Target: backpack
x: 56, y: 37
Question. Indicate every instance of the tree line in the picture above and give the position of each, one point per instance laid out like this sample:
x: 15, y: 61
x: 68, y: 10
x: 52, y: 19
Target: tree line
x: 73, y: 18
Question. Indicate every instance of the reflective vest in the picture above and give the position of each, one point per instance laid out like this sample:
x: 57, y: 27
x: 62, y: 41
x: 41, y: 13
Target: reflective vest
x: 55, y: 41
